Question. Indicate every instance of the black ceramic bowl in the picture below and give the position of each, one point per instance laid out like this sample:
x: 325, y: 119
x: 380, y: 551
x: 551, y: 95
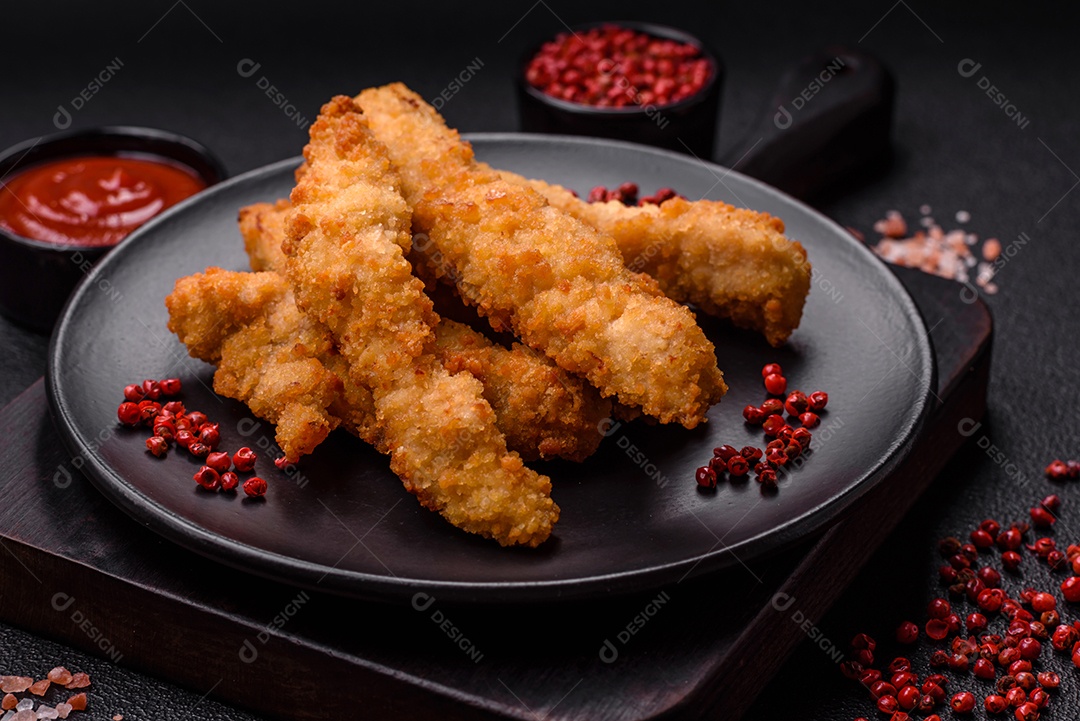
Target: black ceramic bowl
x: 36, y: 277
x: 687, y: 124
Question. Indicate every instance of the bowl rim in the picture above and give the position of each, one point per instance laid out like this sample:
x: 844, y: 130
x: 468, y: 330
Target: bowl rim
x: 132, y: 132
x: 659, y: 30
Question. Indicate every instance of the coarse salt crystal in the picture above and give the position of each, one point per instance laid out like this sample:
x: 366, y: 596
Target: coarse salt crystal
x: 78, y: 680
x: 15, y: 684
x: 63, y: 709
x: 47, y: 712
x: 26, y: 703
x: 925, y: 209
x: 962, y: 216
x: 59, y: 675
x: 25, y: 715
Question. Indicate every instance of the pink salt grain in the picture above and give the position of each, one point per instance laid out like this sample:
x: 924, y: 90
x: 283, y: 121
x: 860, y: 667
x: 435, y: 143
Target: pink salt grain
x: 63, y: 709
x: 991, y: 249
x: 15, y: 684
x: 9, y: 702
x: 40, y: 687
x: 78, y: 680
x: 59, y: 675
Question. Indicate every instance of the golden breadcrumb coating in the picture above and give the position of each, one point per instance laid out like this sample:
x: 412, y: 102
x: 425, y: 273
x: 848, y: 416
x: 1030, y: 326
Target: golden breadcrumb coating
x: 266, y: 351
x: 346, y: 238
x: 543, y: 411
x: 538, y: 405
x: 730, y: 262
x: 557, y: 282
x: 262, y: 226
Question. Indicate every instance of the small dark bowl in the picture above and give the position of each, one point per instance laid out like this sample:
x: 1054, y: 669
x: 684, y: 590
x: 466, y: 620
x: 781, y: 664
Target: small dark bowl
x: 687, y: 124
x: 36, y: 277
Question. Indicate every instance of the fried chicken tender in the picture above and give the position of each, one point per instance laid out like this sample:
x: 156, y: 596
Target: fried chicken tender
x: 268, y: 354
x: 262, y: 225
x: 730, y: 262
x: 543, y: 411
x: 346, y: 238
x: 527, y: 266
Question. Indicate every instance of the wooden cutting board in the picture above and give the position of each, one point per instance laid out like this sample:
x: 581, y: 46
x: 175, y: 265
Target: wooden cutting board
x: 75, y: 568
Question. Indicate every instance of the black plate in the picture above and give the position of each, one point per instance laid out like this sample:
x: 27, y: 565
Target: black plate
x: 632, y: 516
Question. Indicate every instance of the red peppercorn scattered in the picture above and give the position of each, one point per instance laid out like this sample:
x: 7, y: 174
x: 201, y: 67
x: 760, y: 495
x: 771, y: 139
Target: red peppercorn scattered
x: 775, y: 384
x: 796, y: 403
x: 773, y: 424
x: 738, y: 466
x: 770, y: 369
x: 129, y: 413
x: 995, y: 704
x: 983, y: 669
x: 705, y: 477
x: 255, y: 487
x: 1048, y: 679
x: 157, y: 446
x: 1010, y: 540
x: 976, y: 623
x: 614, y: 67
x: 908, y: 697
x: 818, y: 400
x: 1041, y: 602
x: 1070, y: 589
x: 1016, y: 696
x: 1057, y: 470
x: 219, y: 461
x: 208, y: 478
x: 750, y: 453
x: 907, y: 632
x: 1027, y: 711
x: 772, y: 406
x: 210, y: 435
x: 937, y: 629
x: 938, y: 608
x: 809, y: 419
x: 229, y: 481
x: 887, y: 704
x: 151, y: 390
x: 963, y: 702
x: 1042, y: 517
x: 192, y: 430
x: 802, y: 437
x: 1010, y: 560
x: 753, y: 415
x: 170, y: 386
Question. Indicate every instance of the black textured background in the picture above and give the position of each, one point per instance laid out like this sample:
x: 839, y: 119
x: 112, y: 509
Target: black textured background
x: 954, y: 150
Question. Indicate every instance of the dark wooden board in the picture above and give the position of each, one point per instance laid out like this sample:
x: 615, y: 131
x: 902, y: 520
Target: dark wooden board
x: 702, y: 647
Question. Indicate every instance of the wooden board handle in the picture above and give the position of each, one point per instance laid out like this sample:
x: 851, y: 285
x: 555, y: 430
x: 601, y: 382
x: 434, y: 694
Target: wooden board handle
x: 829, y: 121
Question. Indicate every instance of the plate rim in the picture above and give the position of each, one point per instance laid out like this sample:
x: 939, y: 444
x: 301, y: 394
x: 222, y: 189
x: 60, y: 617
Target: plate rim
x: 370, y: 586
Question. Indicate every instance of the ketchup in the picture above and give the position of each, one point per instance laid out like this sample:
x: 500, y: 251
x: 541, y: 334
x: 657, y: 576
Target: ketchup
x: 91, y: 201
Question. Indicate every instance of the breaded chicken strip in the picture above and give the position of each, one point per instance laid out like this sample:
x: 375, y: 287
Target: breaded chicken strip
x: 346, y: 238
x: 268, y: 354
x: 527, y: 266
x: 730, y: 262
x: 262, y: 226
x: 543, y: 411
